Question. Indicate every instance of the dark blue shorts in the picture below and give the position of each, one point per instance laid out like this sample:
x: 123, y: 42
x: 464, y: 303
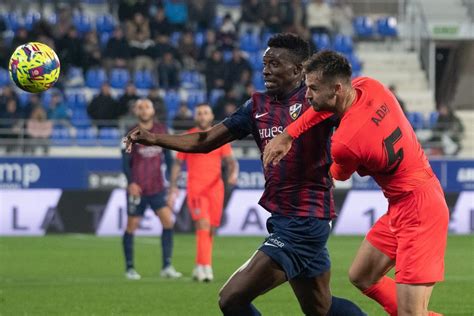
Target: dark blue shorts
x: 137, y: 207
x: 298, y: 245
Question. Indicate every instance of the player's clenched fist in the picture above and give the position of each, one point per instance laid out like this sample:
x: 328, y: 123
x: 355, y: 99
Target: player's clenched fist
x: 138, y: 135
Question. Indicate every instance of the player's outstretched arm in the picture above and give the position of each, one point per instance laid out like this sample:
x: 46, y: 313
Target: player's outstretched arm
x: 201, y: 142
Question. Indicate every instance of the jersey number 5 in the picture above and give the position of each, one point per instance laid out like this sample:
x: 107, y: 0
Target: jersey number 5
x: 394, y: 158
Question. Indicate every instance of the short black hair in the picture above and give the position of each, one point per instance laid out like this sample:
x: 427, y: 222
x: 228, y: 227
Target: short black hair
x: 330, y: 63
x: 298, y: 47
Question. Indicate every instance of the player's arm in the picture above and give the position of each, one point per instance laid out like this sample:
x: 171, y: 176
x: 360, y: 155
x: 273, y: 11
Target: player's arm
x: 132, y: 188
x: 345, y: 162
x: 233, y: 169
x: 279, y: 146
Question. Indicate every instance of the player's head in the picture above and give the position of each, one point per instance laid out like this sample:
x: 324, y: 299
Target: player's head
x: 203, y: 116
x: 328, y: 77
x: 144, y: 110
x: 283, y: 63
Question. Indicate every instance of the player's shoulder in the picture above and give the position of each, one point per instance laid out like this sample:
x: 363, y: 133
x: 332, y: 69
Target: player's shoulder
x: 367, y: 83
x: 159, y: 127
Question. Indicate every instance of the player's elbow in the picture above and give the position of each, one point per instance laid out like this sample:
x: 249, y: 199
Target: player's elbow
x: 341, y: 176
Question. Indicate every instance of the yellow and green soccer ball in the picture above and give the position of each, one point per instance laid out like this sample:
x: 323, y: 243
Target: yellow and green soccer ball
x: 34, y: 67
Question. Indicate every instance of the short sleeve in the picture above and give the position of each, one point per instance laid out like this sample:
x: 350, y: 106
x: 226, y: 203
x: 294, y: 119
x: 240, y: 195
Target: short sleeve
x: 226, y: 150
x: 240, y: 122
x: 181, y: 156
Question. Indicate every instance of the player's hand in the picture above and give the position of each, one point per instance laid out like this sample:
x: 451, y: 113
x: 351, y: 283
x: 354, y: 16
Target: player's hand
x: 276, y: 149
x: 138, y: 135
x: 172, y: 196
x: 134, y: 189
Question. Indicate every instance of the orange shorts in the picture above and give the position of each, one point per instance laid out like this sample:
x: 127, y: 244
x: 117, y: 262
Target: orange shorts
x: 207, y: 205
x: 414, y: 233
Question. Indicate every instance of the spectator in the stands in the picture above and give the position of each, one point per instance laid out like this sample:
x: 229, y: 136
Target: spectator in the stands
x: 92, y: 52
x: 226, y: 104
x: 161, y: 112
x: 138, y: 28
x: 70, y: 49
x: 227, y: 35
x: 58, y: 110
x: 202, y: 14
x: 296, y: 17
x: 251, y: 18
x: 117, y: 51
x: 235, y: 67
x: 343, y: 15
x: 274, y: 16
x: 393, y: 89
x: 168, y: 72
x: 319, y: 17
x: 126, y: 102
x: 142, y: 50
x: 188, y: 49
x: 209, y: 46
x: 38, y: 130
x: 6, y: 94
x: 215, y: 71
x: 21, y: 37
x: 176, y: 12
x: 164, y: 46
x: 159, y: 24
x: 183, y: 120
x: 448, y: 132
x: 34, y: 101
x: 103, y: 108
x: 247, y: 93
x: 10, y: 124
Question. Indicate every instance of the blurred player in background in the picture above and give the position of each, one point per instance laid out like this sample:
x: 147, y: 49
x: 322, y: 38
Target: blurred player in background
x: 298, y: 193
x: 375, y: 138
x: 146, y: 187
x: 205, y: 190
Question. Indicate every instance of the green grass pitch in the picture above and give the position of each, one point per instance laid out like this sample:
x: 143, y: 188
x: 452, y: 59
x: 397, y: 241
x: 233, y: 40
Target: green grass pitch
x: 83, y: 275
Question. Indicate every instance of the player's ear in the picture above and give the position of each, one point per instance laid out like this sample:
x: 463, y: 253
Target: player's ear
x: 298, y: 69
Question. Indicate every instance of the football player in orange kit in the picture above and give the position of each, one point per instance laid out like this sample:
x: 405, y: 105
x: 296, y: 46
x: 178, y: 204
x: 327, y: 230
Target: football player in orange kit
x: 375, y: 138
x: 205, y: 190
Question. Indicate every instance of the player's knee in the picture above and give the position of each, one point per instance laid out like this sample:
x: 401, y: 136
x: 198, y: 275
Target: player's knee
x: 230, y: 300
x: 203, y: 223
x: 358, y: 280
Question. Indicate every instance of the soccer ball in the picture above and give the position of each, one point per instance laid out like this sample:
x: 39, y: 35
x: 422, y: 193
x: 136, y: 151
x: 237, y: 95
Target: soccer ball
x: 34, y: 67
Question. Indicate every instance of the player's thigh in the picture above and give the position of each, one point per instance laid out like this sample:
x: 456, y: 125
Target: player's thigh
x: 158, y: 203
x: 199, y: 206
x: 216, y: 205
x: 165, y: 214
x: 413, y: 299
x: 255, y: 277
x: 314, y: 294
x: 376, y: 254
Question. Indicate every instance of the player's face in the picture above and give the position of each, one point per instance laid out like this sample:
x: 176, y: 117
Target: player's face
x: 280, y: 74
x: 320, y: 94
x: 144, y: 110
x: 204, y: 117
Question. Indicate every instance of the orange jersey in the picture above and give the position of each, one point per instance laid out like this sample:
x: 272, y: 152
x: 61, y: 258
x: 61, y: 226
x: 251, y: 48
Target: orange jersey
x: 204, y: 170
x: 375, y: 138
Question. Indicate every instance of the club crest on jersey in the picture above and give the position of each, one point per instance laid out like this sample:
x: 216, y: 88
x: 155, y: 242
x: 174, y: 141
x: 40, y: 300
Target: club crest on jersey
x: 295, y: 110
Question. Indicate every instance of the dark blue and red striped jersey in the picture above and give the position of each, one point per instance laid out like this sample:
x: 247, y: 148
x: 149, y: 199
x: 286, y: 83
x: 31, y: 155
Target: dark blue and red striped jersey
x: 144, y: 165
x: 300, y: 184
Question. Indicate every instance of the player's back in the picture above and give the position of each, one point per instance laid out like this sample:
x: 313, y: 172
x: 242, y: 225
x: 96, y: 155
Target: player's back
x: 377, y: 131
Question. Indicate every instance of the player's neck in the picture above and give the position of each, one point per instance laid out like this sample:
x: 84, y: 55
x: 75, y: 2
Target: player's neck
x: 146, y: 125
x: 348, y: 101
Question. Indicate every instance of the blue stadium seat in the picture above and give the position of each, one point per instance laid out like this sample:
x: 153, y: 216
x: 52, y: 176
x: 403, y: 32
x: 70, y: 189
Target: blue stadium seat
x: 105, y: 23
x: 95, y: 77
x: 199, y: 38
x: 104, y: 39
x: 387, y: 26
x: 143, y: 79
x: 80, y: 118
x: 255, y: 60
x: 82, y: 22
x: 363, y: 27
x: 109, y: 136
x: 343, y: 44
x: 432, y: 119
x: 249, y: 43
x: 4, y: 77
x: 23, y: 98
x: 31, y: 18
x: 195, y: 97
x: 215, y: 95
x: 60, y: 136
x: 230, y: 3
x: 174, y: 38
x: 172, y: 100
x: 119, y: 78
x: 86, y: 136
x: 76, y: 100
x: 322, y: 41
x: 190, y: 79
x: 52, y: 18
x: 416, y: 119
x: 355, y: 62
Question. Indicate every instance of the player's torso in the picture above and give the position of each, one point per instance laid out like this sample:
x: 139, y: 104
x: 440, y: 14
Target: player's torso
x: 378, y: 129
x: 299, y: 184
x: 146, y: 164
